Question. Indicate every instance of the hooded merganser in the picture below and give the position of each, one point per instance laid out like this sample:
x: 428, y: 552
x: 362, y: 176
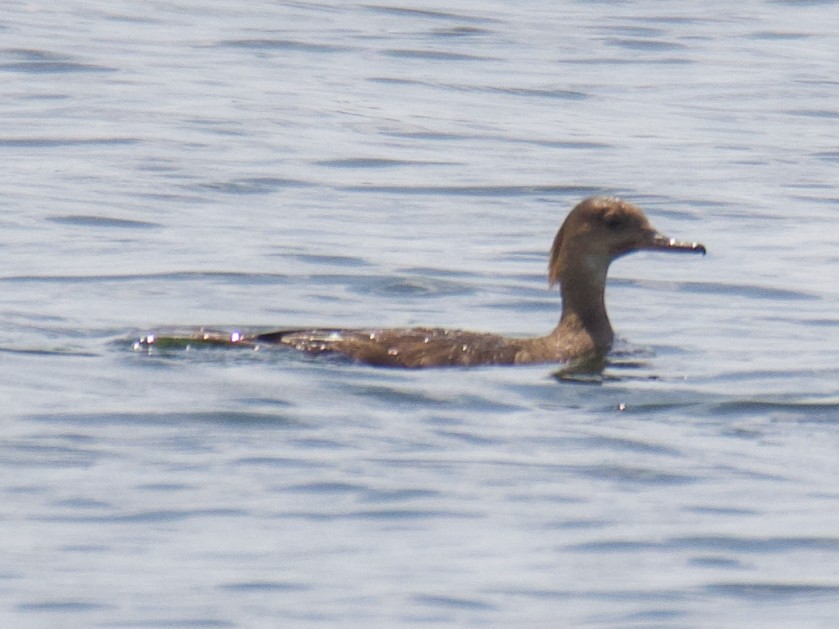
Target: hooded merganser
x: 596, y: 232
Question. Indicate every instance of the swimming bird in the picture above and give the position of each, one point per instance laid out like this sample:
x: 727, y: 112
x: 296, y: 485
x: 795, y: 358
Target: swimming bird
x: 596, y: 232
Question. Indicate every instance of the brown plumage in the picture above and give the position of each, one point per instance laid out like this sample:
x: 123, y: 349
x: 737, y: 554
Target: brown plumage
x: 596, y: 232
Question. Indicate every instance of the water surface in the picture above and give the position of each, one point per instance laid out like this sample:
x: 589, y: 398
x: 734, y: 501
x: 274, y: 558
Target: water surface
x: 335, y: 164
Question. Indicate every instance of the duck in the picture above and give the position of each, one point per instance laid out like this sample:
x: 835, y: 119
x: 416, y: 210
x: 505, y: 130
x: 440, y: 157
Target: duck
x: 597, y: 231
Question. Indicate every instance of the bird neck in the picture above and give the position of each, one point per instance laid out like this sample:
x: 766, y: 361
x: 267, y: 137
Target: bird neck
x: 583, y: 288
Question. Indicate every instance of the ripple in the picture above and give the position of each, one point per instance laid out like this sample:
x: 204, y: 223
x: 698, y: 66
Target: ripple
x: 319, y: 444
x: 750, y: 291
x: 53, y: 67
x: 572, y: 144
x: 47, y: 456
x: 381, y: 515
x: 657, y: 615
x: 284, y: 45
x: 758, y: 545
x: 828, y: 156
x: 768, y: 591
x: 61, y: 606
x: 483, y: 191
x: 411, y: 398
x: 373, y: 162
x: 829, y: 114
x: 44, y: 62
x: 87, y: 220
x: 265, y: 586
x: 620, y: 546
x: 426, y: 13
x: 399, y: 495
x: 713, y: 544
x: 222, y: 276
x: 615, y: 444
x: 278, y: 462
x: 460, y: 31
x: 453, y: 602
x: 620, y: 61
x: 716, y: 562
x: 778, y: 36
x: 639, y: 475
x: 805, y: 3
x: 48, y: 352
x: 645, y: 44
x: 406, y: 514
x: 471, y: 439
x: 324, y: 487
x: 235, y: 418
x: 81, y: 503
x: 41, y: 142
x: 145, y: 517
x: 255, y: 185
x: 559, y: 94
x: 435, y: 272
x: 826, y: 411
x: 433, y: 55
x: 327, y: 259
x: 177, y: 623
x: 408, y: 287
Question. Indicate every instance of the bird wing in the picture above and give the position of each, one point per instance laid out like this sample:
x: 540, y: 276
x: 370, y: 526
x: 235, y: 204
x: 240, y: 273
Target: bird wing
x: 402, y: 347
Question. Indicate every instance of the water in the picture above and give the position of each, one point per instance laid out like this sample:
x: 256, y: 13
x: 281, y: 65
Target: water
x: 274, y: 164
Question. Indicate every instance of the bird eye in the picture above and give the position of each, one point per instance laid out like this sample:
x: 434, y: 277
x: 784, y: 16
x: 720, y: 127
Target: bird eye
x: 613, y: 222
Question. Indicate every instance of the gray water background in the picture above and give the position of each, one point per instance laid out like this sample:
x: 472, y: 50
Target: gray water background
x: 390, y: 164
